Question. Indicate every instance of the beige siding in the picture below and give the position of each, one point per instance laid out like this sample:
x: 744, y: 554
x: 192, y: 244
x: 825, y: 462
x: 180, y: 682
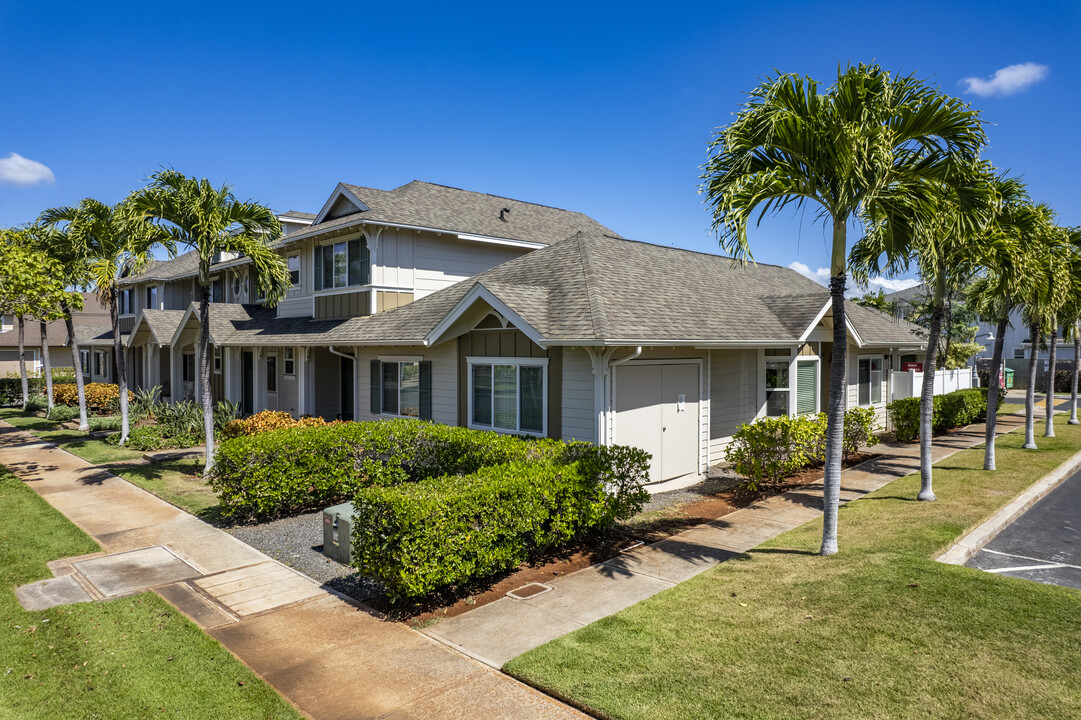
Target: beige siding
x: 297, y: 307
x: 394, y: 258
x: 444, y: 359
x: 734, y: 396
x: 444, y: 260
x: 579, y: 422
x: 343, y: 305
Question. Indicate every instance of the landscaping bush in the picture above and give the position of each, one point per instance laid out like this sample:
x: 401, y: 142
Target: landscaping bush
x: 859, y: 430
x: 11, y: 391
x: 299, y: 468
x: 181, y: 418
x: 266, y: 421
x: 146, y: 402
x: 104, y: 397
x: 955, y: 409
x: 63, y: 413
x: 422, y: 537
x: 149, y: 438
x: 35, y: 403
x: 104, y: 424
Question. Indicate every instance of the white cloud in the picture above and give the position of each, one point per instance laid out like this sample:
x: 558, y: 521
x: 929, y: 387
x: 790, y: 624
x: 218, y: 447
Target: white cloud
x: 1008, y: 80
x: 17, y: 170
x: 891, y: 285
x: 821, y: 275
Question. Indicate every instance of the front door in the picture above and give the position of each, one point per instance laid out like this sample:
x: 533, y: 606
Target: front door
x: 346, y: 370
x: 248, y: 386
x: 657, y: 411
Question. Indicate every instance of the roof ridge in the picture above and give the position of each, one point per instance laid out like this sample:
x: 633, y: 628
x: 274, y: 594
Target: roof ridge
x: 597, y: 315
x: 491, y: 195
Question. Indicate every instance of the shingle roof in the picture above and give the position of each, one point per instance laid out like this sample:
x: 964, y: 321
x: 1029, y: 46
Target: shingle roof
x: 162, y: 323
x: 440, y: 207
x: 599, y: 289
x: 97, y: 336
x: 172, y: 269
x: 92, y: 314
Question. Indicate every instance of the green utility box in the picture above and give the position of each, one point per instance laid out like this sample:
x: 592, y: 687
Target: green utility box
x: 338, y: 533
x: 1009, y: 378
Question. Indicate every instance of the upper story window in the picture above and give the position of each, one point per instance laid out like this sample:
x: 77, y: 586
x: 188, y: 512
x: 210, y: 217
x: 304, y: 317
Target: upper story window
x: 125, y: 304
x: 293, y: 263
x: 217, y: 291
x: 152, y: 297
x: 342, y: 264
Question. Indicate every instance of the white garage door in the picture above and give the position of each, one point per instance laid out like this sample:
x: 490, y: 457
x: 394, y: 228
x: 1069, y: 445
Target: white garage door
x: 657, y: 410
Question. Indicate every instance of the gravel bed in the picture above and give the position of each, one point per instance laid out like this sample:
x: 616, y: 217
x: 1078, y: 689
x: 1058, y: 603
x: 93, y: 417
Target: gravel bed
x: 718, y: 480
x: 298, y: 543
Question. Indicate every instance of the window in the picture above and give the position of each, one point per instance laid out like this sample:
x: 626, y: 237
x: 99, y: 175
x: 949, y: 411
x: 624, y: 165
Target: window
x: 870, y: 380
x: 238, y: 285
x: 508, y: 394
x: 217, y: 360
x: 152, y: 297
x: 84, y: 361
x: 289, y: 367
x: 188, y: 369
x: 217, y: 291
x: 124, y: 304
x: 98, y: 362
x: 1019, y: 353
x: 272, y: 373
x: 293, y: 263
x: 777, y: 388
x: 806, y: 387
x: 342, y: 264
x: 401, y: 389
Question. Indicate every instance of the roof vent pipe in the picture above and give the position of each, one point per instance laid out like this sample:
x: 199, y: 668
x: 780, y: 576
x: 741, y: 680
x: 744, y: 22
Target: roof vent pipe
x: 503, y: 214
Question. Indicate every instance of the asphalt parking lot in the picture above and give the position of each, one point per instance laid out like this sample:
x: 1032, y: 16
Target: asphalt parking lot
x: 1044, y: 544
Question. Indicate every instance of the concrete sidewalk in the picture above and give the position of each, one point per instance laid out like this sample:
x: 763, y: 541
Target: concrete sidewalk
x: 330, y: 656
x: 508, y: 627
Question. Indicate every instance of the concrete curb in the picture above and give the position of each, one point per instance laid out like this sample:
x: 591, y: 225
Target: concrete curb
x: 972, y: 542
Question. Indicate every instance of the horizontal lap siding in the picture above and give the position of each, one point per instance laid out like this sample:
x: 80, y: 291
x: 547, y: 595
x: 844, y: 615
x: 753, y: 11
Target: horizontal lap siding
x: 444, y: 260
x: 579, y: 422
x: 296, y: 307
x: 734, y: 396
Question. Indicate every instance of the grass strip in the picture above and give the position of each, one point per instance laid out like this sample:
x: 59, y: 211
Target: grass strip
x: 133, y: 657
x: 880, y: 630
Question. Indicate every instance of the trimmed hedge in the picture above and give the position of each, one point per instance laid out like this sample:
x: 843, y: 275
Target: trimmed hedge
x: 156, y: 437
x: 770, y: 449
x: 422, y: 537
x: 11, y: 389
x: 288, y: 471
x: 952, y: 410
x: 266, y: 421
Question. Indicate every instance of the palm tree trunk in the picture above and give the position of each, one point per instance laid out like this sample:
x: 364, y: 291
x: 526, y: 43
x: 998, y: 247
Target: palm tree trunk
x: 835, y: 413
x: 121, y: 370
x: 992, y: 394
x: 22, y: 362
x: 204, y: 375
x: 84, y: 424
x: 1076, y: 372
x: 1030, y: 391
x: 927, y: 397
x: 47, y: 365
x: 1049, y: 422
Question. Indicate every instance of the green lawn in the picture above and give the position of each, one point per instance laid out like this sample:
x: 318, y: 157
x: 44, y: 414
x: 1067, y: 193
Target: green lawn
x: 878, y: 631
x: 1011, y: 409
x: 177, y: 482
x: 133, y: 657
x: 75, y: 442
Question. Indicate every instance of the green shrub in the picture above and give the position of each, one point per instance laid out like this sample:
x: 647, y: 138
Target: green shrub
x: 180, y: 418
x: 103, y: 424
x: 300, y: 468
x: 11, y: 391
x: 146, y: 402
x: 421, y: 537
x: 35, y: 403
x: 149, y: 438
x: 225, y: 411
x: 859, y: 430
x: 63, y: 413
x: 952, y: 410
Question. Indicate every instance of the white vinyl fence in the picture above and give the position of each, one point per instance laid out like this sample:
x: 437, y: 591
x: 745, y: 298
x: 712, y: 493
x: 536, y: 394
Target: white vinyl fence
x: 910, y: 383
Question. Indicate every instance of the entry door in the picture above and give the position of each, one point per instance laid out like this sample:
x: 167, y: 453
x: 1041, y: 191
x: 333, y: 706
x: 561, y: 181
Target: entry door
x: 248, y: 386
x: 657, y: 411
x: 346, y: 384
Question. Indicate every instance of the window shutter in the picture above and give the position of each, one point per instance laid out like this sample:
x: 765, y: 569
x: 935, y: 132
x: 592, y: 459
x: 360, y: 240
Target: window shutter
x: 318, y: 259
x: 355, y: 275
x: 806, y: 388
x: 365, y: 262
x: 426, y: 390
x: 376, y: 388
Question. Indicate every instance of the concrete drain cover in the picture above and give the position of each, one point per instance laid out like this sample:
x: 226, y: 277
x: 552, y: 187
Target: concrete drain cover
x: 135, y: 571
x: 528, y: 591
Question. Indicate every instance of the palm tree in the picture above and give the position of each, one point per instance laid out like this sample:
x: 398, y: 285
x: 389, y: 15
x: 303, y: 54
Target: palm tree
x: 211, y: 220
x: 116, y: 243
x: 58, y: 244
x: 1064, y: 245
x: 855, y: 151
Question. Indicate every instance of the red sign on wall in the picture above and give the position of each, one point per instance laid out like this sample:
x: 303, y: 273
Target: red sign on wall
x: 918, y: 367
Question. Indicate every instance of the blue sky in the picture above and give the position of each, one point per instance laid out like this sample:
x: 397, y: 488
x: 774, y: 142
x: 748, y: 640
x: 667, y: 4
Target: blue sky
x: 604, y: 108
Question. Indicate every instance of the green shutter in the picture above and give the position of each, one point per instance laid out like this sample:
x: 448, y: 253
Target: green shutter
x: 355, y: 275
x: 365, y: 262
x: 426, y: 390
x: 806, y: 387
x: 375, y: 388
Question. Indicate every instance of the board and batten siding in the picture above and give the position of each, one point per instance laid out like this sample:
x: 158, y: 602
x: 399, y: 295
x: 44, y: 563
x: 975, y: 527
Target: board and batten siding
x: 444, y: 359
x: 733, y: 380
x: 579, y: 422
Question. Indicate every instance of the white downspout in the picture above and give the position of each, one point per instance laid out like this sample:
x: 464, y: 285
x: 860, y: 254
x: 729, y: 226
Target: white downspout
x: 341, y: 354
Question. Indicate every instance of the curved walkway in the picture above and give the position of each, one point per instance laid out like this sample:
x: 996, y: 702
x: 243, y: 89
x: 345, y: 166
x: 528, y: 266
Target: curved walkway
x: 330, y: 656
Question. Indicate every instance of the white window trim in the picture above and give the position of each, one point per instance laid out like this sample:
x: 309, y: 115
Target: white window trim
x: 318, y: 250
x: 518, y: 362
x: 300, y: 266
x: 216, y: 360
x: 289, y: 356
x: 194, y: 367
x: 763, y: 391
x: 398, y: 360
x: 882, y: 392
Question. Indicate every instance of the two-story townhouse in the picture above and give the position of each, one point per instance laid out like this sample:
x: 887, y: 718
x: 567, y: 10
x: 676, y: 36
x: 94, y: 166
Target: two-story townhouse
x: 91, y: 319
